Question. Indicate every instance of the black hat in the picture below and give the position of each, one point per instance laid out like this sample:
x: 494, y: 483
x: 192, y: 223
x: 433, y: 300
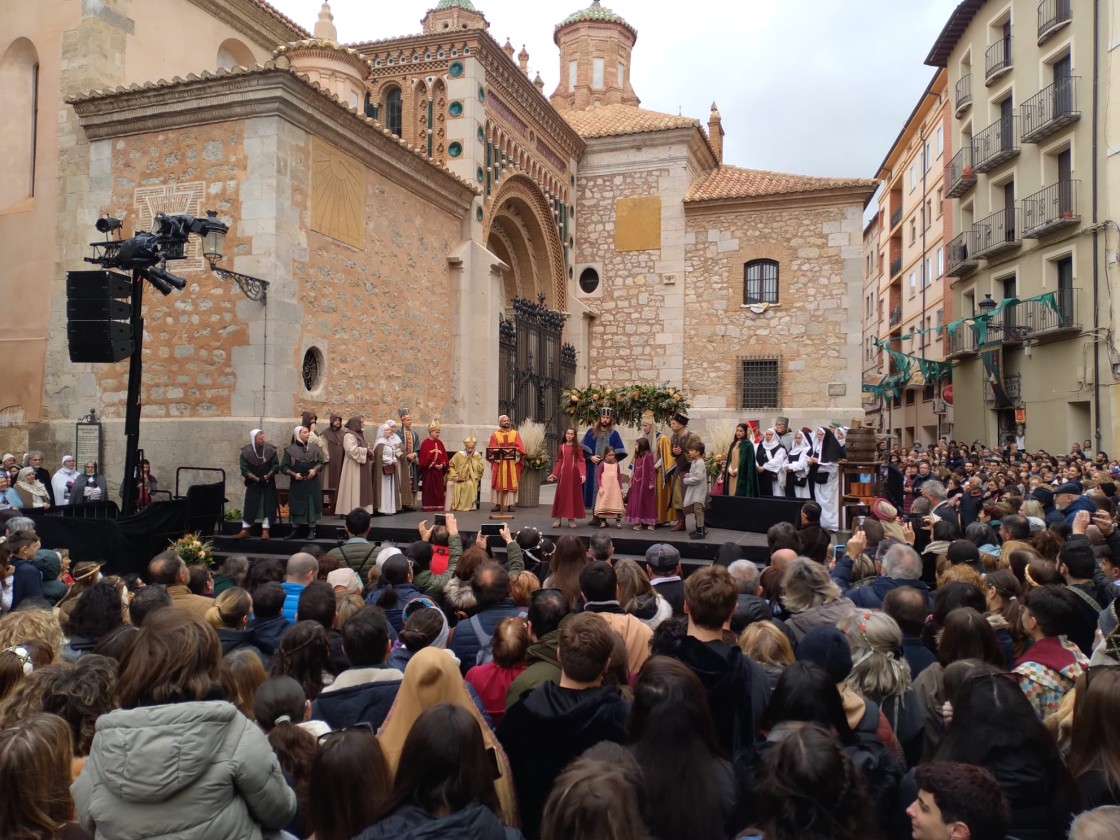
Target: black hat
x: 681, y: 418
x: 1071, y: 487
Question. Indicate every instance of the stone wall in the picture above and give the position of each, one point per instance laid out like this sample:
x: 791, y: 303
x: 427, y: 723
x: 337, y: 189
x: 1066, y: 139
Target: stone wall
x: 815, y: 329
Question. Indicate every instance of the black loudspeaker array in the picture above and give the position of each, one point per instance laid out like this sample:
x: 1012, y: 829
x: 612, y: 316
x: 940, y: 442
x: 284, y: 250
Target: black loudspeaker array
x: 98, y: 316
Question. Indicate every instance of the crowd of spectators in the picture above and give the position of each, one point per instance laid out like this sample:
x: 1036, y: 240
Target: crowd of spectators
x: 950, y: 669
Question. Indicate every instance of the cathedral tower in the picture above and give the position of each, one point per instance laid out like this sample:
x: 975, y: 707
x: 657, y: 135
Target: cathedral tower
x: 453, y: 15
x: 595, y: 47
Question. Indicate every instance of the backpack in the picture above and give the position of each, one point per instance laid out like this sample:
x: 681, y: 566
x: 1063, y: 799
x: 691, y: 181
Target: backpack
x: 485, y: 642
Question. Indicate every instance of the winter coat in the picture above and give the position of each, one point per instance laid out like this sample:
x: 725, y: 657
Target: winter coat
x: 184, y: 770
x: 871, y: 597
x: 651, y: 610
x: 236, y: 640
x: 916, y: 654
x: 360, y: 695
x: 738, y: 691
x: 50, y: 566
x: 825, y: 615
x: 465, y: 644
x: 405, y: 592
x: 1079, y: 503
x: 27, y: 581
x: 267, y: 633
x: 410, y: 822
x: 548, y: 728
x: 544, y: 666
x: 292, y: 592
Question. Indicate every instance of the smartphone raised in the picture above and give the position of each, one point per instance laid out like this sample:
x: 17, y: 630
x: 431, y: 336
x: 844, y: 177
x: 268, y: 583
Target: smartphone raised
x: 490, y: 529
x: 439, y: 519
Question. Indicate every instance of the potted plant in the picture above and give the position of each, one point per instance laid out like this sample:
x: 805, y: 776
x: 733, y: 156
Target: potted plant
x: 195, y: 550
x: 534, y: 465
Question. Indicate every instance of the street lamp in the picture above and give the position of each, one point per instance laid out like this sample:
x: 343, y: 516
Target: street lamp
x: 212, y: 243
x: 986, y: 305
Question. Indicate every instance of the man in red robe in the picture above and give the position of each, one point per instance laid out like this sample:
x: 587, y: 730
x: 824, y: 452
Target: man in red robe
x: 505, y: 471
x: 433, y: 469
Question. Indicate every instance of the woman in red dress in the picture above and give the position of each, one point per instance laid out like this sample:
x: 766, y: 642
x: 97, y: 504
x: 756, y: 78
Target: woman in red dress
x: 571, y: 472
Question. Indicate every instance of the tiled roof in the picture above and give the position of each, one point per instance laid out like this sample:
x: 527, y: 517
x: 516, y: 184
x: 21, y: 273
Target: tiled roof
x: 616, y: 120
x: 280, y: 16
x: 277, y: 66
x: 737, y: 182
x: 462, y: 4
x: 595, y: 12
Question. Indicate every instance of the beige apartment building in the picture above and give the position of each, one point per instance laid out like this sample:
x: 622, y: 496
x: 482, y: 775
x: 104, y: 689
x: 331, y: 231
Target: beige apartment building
x: 1030, y: 211
x: 912, y: 282
x: 869, y: 352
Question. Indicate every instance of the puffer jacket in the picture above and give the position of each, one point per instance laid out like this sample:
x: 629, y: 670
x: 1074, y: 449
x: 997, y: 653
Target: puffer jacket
x: 184, y: 771
x: 475, y: 822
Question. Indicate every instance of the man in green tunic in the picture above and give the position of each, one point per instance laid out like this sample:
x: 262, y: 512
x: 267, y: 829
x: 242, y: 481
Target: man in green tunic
x: 302, y: 463
x: 259, y: 465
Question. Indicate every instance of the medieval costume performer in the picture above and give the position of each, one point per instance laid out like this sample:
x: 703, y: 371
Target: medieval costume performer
x: 355, y: 483
x: 641, y: 501
x: 63, y: 481
x: 334, y: 454
x: 410, y: 447
x: 740, y: 478
x: 662, y: 461
x: 797, y: 468
x: 783, y: 431
x: 31, y: 490
x: 505, y: 453
x: 90, y: 486
x: 146, y: 485
x: 303, y: 464
x: 770, y: 457
x: 433, y: 469
x: 570, y: 472
x: 824, y: 475
x: 464, y: 474
x: 608, y: 498
x: 310, y: 421
x: 679, y: 444
x: 388, y: 463
x: 596, y: 440
x: 259, y: 465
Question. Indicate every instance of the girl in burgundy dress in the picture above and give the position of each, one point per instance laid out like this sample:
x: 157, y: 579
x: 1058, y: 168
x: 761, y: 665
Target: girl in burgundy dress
x: 641, y: 503
x: 571, y: 471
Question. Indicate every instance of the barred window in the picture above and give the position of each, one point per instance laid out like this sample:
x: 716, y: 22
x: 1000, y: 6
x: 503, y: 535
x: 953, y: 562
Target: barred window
x: 760, y: 282
x: 760, y: 383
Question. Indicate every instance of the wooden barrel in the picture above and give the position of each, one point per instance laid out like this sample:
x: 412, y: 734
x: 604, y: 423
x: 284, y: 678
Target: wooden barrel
x: 861, y: 444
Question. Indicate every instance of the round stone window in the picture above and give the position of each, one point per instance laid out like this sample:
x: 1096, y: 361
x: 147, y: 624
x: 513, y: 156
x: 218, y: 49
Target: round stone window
x: 456, y: 69
x: 313, y: 368
x: 455, y: 109
x: 588, y: 281
x: 455, y: 149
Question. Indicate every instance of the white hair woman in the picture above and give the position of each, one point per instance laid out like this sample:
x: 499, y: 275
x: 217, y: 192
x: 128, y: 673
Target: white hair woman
x: 880, y: 673
x: 811, y: 596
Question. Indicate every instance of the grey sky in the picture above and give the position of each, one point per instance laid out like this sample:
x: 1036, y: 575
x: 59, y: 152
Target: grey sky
x: 818, y: 87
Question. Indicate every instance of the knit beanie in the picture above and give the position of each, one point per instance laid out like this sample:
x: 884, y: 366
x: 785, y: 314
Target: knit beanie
x: 827, y: 647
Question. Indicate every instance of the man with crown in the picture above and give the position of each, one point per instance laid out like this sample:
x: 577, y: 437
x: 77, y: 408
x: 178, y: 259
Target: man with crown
x: 505, y: 454
x: 464, y: 474
x: 433, y: 469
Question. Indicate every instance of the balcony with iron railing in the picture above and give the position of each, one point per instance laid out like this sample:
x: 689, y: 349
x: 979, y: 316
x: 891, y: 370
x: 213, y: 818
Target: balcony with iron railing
x: 896, y: 316
x: 996, y: 233
x: 896, y: 266
x: 963, y: 96
x: 962, y: 342
x: 1052, y: 108
x: 1052, y: 16
x: 1050, y: 209
x: 994, y: 145
x: 961, y: 258
x: 896, y: 218
x: 1036, y: 320
x: 958, y: 173
x: 997, y: 60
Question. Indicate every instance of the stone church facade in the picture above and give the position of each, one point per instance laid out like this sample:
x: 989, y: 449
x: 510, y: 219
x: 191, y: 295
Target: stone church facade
x: 399, y: 196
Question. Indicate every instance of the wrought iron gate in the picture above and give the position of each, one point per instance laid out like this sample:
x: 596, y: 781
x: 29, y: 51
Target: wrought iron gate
x: 535, y: 367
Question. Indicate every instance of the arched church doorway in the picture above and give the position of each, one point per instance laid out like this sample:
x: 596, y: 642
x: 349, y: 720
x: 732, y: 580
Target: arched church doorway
x: 534, y: 364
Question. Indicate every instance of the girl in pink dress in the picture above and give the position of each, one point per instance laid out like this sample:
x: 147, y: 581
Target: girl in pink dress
x: 571, y: 471
x: 641, y: 503
x: 608, y: 501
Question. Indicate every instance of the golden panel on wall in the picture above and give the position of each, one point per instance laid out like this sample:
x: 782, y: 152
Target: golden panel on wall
x: 338, y: 188
x: 637, y: 223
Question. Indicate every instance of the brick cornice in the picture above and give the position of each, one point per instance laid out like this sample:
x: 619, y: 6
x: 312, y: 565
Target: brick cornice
x: 265, y: 26
x: 272, y: 91
x: 780, y: 201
